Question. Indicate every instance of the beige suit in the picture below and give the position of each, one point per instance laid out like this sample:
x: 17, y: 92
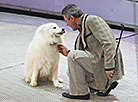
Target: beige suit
x: 99, y: 43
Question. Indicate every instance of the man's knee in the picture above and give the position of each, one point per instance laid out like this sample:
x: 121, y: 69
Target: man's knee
x: 74, y: 54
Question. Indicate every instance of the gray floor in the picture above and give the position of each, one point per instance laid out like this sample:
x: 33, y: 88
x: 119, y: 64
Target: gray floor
x: 16, y: 32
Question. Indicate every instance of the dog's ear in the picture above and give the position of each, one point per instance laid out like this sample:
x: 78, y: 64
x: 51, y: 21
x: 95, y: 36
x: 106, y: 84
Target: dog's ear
x: 42, y: 30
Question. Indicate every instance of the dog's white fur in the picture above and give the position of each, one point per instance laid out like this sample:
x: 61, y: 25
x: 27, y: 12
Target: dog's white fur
x: 42, y: 57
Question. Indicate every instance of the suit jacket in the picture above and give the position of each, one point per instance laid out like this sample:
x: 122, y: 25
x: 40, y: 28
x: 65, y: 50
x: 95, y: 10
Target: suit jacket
x: 100, y: 44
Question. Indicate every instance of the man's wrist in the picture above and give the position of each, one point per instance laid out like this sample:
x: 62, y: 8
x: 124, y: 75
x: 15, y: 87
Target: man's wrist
x: 68, y: 52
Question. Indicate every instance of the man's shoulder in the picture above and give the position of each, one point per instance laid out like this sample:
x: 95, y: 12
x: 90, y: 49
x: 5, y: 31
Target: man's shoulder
x: 93, y: 18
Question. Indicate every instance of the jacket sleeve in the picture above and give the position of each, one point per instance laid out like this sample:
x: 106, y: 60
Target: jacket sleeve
x: 104, y: 35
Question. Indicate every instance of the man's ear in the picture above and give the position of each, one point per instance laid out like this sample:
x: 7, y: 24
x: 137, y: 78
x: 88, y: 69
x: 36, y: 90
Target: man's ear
x: 72, y: 18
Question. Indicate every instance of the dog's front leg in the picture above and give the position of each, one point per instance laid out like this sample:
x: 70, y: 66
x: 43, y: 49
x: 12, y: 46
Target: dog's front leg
x: 55, y: 78
x: 34, y: 77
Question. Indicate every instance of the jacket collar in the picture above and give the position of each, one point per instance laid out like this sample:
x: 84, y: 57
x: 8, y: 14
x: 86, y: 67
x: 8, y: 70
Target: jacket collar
x: 83, y: 20
x: 81, y: 23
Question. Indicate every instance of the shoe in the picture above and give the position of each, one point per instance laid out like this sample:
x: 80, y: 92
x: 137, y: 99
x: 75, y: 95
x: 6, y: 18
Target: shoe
x: 92, y: 90
x: 81, y: 97
x: 113, y: 85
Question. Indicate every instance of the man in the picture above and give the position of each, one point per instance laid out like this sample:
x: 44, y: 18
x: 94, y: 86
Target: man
x: 94, y: 64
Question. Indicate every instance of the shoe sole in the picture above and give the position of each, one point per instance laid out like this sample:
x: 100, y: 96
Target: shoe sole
x: 113, y: 86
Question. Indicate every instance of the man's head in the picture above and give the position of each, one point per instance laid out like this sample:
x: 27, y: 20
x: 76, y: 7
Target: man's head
x: 71, y: 14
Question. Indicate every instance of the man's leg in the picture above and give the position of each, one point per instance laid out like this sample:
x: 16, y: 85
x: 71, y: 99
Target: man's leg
x: 80, y: 68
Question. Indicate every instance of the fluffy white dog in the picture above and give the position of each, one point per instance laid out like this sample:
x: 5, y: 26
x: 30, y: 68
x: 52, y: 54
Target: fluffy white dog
x: 42, y: 57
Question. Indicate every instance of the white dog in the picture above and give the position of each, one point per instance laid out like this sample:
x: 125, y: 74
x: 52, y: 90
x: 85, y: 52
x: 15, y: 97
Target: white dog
x: 42, y: 56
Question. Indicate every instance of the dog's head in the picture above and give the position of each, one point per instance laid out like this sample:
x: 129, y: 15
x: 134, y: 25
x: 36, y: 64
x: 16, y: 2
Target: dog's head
x: 52, y: 29
x: 55, y: 29
x: 51, y: 32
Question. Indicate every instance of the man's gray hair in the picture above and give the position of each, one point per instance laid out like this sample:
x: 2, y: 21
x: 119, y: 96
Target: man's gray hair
x: 71, y: 10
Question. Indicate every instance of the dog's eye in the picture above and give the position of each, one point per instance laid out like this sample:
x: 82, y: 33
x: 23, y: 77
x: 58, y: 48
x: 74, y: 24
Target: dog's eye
x: 54, y: 27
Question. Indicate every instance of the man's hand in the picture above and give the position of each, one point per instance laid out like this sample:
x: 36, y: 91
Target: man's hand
x: 109, y: 74
x: 63, y: 50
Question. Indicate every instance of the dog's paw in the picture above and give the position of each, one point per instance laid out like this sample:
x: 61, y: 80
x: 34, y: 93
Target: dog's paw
x: 58, y: 85
x: 33, y: 83
x: 27, y: 80
x: 60, y: 80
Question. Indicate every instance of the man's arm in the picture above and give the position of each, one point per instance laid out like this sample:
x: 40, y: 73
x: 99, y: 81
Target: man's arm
x: 104, y: 35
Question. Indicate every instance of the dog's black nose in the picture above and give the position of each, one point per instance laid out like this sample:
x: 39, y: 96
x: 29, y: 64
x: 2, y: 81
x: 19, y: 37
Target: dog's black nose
x: 63, y: 29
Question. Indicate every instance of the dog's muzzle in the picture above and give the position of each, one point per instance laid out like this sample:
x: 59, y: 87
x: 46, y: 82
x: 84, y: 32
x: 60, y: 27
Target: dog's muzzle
x: 63, y: 31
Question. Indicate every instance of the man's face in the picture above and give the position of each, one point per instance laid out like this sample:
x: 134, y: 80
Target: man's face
x: 71, y: 22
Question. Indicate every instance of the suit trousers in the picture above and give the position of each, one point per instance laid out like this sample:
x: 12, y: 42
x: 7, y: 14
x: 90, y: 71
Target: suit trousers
x: 80, y: 73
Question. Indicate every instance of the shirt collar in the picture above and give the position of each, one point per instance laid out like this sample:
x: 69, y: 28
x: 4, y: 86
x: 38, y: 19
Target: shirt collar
x: 80, y: 22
